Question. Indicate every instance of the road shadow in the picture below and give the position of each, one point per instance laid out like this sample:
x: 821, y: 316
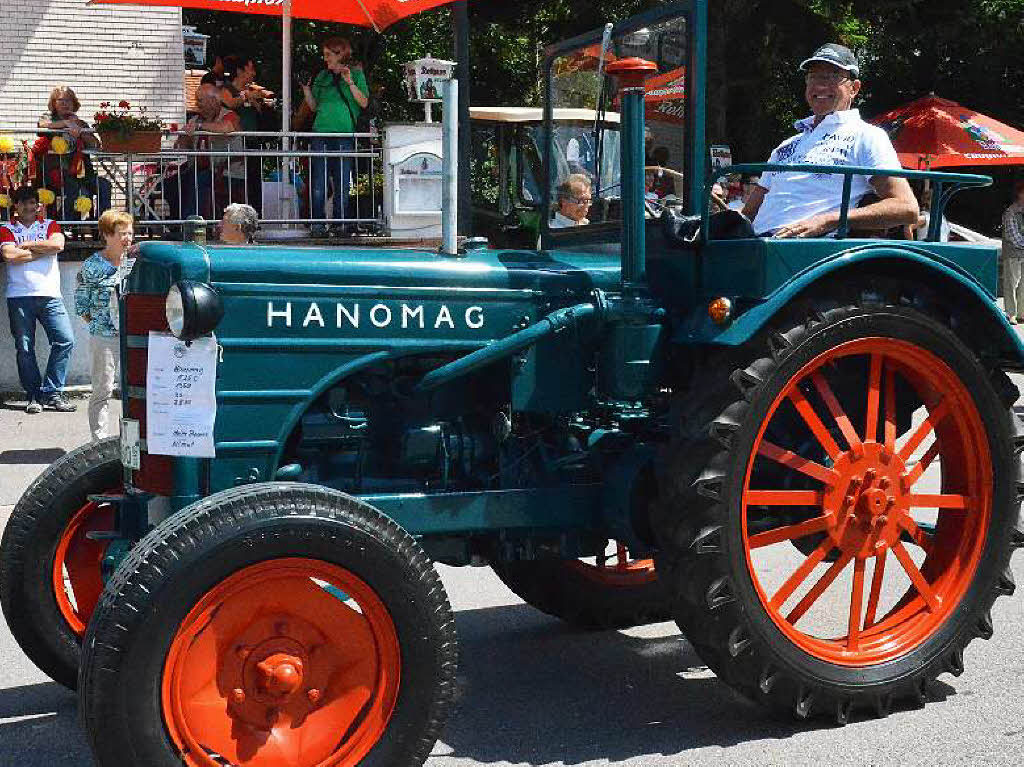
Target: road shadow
x: 39, y: 725
x: 533, y: 691
x: 41, y: 455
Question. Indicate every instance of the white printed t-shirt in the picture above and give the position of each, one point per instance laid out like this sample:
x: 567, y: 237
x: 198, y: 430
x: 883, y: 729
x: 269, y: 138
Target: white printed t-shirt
x: 842, y: 139
x: 40, y: 277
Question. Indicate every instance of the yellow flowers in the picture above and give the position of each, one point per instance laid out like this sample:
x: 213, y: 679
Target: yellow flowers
x: 8, y: 145
x: 5, y: 201
x: 59, y: 145
x: 46, y: 197
x: 83, y: 205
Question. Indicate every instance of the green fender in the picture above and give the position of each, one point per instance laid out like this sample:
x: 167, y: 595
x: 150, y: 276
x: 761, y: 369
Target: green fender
x: 937, y: 270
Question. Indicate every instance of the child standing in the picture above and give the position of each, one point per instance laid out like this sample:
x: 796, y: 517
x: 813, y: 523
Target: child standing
x: 96, y: 302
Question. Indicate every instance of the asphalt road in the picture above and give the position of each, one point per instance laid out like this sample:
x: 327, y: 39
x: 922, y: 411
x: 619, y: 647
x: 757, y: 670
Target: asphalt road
x: 534, y: 692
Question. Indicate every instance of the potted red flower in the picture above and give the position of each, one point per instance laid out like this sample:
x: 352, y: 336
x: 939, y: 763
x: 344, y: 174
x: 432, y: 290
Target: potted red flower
x: 122, y: 130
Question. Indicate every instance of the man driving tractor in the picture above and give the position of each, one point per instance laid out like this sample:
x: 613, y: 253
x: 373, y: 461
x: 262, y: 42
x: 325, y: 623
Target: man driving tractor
x: 808, y: 204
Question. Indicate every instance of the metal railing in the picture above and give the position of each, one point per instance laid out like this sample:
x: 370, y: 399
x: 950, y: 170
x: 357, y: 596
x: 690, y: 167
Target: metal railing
x: 301, y: 184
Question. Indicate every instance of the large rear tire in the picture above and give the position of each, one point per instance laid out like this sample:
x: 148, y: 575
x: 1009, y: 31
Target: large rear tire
x: 50, y: 569
x: 269, y: 625
x: 888, y: 596
x: 612, y: 592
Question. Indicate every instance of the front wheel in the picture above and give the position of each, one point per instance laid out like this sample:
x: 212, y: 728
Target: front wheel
x: 904, y: 533
x: 51, y: 558
x: 270, y: 625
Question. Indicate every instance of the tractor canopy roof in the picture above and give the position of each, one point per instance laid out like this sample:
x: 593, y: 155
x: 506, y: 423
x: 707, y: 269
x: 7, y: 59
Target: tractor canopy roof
x: 536, y: 115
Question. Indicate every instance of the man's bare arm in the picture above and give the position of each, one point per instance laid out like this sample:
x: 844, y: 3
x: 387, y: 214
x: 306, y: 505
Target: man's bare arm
x: 753, y: 203
x: 12, y: 254
x: 52, y: 244
x: 897, y: 206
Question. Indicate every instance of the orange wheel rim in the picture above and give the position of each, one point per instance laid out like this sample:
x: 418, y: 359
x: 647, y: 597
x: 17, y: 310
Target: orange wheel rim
x: 618, y: 570
x: 78, y: 562
x: 291, y: 661
x: 851, y: 489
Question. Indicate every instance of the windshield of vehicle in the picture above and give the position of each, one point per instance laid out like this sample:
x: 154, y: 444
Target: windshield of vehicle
x: 585, y: 184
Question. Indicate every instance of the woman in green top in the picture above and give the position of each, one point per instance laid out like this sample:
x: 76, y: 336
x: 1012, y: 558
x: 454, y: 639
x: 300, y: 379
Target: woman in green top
x: 337, y: 95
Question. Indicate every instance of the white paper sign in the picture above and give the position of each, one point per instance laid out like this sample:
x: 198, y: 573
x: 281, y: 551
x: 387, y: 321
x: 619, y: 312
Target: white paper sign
x: 181, y: 404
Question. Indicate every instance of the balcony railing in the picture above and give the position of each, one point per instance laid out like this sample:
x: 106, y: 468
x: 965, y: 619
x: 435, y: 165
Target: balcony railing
x: 293, y: 180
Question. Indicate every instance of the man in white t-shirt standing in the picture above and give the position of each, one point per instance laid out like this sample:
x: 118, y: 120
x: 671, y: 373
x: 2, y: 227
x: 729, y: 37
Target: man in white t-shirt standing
x: 808, y: 204
x: 29, y: 248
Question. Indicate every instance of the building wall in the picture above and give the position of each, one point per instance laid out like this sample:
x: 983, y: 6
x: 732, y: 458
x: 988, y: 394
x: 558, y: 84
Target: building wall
x: 104, y: 52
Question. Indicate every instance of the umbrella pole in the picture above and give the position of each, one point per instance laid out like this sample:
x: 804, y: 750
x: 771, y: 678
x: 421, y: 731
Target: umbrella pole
x: 286, y: 69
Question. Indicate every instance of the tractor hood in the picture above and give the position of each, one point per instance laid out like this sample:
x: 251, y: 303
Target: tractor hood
x: 161, y: 264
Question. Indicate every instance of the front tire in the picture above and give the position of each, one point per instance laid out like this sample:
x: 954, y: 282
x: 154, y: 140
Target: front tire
x: 268, y: 625
x: 787, y: 463
x: 50, y: 569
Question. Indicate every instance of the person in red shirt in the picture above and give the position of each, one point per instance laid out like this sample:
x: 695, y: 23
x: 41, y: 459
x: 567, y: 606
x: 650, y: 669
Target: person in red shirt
x: 29, y: 247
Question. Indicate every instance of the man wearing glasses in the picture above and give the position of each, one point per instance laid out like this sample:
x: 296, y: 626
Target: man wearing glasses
x: 574, y: 199
x: 808, y: 204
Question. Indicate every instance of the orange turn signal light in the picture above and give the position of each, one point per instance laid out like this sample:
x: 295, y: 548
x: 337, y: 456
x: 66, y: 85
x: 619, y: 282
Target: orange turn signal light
x: 720, y: 310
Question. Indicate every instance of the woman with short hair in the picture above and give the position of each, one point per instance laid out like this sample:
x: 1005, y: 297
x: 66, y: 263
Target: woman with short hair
x: 96, y: 302
x: 61, y: 172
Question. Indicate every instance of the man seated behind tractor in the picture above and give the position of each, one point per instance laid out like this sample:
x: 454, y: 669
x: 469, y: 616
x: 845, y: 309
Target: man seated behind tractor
x: 574, y: 198
x: 808, y: 204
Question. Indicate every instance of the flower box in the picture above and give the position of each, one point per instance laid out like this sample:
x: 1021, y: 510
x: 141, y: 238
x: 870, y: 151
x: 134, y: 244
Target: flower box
x: 136, y: 142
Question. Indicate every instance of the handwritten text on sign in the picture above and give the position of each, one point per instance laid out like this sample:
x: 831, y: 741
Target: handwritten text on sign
x: 181, y: 404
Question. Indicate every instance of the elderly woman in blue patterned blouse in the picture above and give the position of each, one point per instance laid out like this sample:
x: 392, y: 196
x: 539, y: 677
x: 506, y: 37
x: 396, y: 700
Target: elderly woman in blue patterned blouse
x: 96, y: 303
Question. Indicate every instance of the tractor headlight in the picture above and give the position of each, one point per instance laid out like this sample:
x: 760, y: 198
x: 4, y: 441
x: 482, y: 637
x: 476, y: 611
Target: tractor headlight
x: 193, y: 309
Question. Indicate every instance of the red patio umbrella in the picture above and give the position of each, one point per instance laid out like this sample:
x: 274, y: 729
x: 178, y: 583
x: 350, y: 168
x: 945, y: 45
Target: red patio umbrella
x: 379, y: 14
x: 933, y: 132
x: 665, y: 97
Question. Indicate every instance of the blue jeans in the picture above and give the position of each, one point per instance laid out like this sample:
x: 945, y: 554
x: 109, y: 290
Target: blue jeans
x: 51, y: 314
x: 338, y: 169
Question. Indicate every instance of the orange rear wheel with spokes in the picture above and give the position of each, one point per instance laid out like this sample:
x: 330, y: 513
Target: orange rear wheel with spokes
x: 844, y: 521
x: 863, y: 498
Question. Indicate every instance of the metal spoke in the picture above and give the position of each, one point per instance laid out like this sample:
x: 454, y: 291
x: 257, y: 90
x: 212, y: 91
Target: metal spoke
x: 814, y: 423
x: 876, y: 588
x: 932, y: 420
x: 842, y: 420
x: 890, y: 411
x: 856, y: 603
x: 919, y: 536
x: 800, y: 575
x: 783, y: 498
x: 791, y: 532
x: 941, y: 501
x: 874, y: 397
x: 921, y: 466
x: 796, y: 462
x: 916, y: 577
x: 819, y: 588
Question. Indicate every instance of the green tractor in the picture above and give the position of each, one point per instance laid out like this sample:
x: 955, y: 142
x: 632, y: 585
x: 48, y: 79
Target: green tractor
x: 803, y: 451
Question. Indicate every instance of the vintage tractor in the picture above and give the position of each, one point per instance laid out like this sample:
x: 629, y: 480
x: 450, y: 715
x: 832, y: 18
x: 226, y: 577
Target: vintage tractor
x: 812, y: 440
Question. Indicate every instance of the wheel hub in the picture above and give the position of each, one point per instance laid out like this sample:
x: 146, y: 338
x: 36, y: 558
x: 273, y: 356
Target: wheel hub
x: 273, y: 676
x: 865, y: 500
